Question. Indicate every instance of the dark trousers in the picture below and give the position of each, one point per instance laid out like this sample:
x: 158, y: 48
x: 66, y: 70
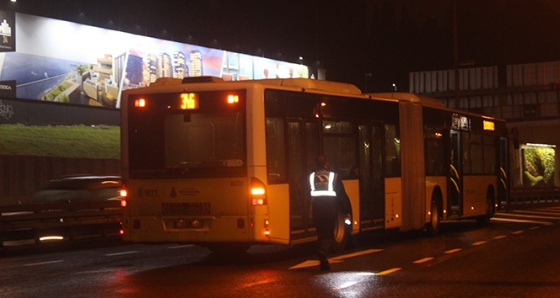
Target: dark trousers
x: 325, y: 233
x: 324, y: 219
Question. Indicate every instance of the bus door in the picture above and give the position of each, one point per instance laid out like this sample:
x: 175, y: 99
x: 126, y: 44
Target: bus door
x: 370, y: 165
x: 455, y: 181
x: 503, y: 184
x: 303, y: 143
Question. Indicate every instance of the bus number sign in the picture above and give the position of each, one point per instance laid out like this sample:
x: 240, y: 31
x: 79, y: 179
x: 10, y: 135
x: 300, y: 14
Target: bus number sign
x: 488, y: 125
x: 189, y: 101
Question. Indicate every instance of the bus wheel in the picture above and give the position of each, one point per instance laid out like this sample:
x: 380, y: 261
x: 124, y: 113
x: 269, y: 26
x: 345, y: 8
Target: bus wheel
x: 435, y: 218
x: 485, y: 219
x: 342, y: 232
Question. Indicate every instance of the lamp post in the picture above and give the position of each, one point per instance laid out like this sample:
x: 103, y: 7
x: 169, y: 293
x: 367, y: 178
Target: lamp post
x: 366, y: 76
x: 455, y: 53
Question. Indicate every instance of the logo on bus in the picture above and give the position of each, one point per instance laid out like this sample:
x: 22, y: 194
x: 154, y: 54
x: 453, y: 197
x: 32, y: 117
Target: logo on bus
x: 147, y: 192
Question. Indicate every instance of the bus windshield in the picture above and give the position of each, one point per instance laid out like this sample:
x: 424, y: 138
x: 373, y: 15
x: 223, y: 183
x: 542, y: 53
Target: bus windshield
x: 204, y: 142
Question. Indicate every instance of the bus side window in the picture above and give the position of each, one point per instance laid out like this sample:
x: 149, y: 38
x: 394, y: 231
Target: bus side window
x: 392, y: 151
x: 434, y: 150
x: 466, y: 148
x: 339, y: 145
x: 489, y: 142
x: 275, y: 151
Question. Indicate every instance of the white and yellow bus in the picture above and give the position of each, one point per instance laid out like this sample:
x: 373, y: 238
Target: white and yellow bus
x: 225, y: 164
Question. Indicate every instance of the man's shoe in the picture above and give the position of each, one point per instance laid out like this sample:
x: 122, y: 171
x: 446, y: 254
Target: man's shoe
x: 324, y: 263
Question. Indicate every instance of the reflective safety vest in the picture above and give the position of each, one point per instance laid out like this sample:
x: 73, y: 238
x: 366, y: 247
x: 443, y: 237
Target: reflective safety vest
x: 322, y: 184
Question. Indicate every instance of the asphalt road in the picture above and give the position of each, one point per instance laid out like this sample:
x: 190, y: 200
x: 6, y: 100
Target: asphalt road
x: 516, y: 255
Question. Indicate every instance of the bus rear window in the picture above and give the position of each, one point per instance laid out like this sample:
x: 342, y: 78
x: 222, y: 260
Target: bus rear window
x: 202, y: 140
x: 206, y: 142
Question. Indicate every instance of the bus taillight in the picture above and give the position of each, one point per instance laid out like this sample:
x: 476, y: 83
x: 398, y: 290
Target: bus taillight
x: 124, y: 196
x: 140, y: 103
x: 232, y: 99
x: 266, y: 230
x: 258, y: 192
x: 124, y: 227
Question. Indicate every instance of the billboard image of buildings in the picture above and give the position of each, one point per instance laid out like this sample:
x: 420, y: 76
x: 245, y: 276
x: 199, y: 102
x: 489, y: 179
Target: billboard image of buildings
x: 65, y: 62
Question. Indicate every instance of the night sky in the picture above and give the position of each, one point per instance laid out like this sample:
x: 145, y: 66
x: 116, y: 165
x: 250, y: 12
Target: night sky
x: 348, y: 38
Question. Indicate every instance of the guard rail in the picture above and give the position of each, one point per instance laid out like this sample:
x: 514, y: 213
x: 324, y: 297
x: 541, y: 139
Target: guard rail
x: 531, y: 196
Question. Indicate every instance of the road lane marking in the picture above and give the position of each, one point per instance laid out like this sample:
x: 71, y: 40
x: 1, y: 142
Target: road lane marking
x: 388, y: 271
x: 423, y: 260
x: 308, y: 263
x: 43, y: 263
x: 356, y: 254
x: 546, y: 223
x: 537, y: 214
x: 452, y: 251
x: 122, y: 253
x: 518, y: 232
x: 500, y: 237
x: 180, y: 246
x: 337, y: 259
x: 479, y: 243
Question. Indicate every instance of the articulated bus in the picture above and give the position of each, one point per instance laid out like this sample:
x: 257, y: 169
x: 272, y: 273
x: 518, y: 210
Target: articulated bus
x: 226, y: 164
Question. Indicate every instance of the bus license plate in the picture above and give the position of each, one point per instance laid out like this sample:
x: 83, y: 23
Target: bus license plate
x: 175, y: 209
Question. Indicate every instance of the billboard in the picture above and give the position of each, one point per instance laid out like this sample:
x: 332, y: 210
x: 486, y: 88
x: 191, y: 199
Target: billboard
x: 65, y: 62
x: 538, y: 164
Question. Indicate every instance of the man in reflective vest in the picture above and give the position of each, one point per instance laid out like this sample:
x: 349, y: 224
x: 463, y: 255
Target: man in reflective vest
x: 327, y: 198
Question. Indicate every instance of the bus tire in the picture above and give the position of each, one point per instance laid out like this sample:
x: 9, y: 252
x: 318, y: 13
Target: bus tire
x: 341, y: 233
x: 433, y: 227
x: 490, y: 209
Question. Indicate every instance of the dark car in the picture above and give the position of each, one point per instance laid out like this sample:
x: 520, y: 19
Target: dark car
x: 78, y: 189
x: 79, y: 206
x: 67, y: 208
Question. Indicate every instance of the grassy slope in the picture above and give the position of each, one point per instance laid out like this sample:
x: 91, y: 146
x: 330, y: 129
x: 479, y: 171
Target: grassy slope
x: 61, y: 141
